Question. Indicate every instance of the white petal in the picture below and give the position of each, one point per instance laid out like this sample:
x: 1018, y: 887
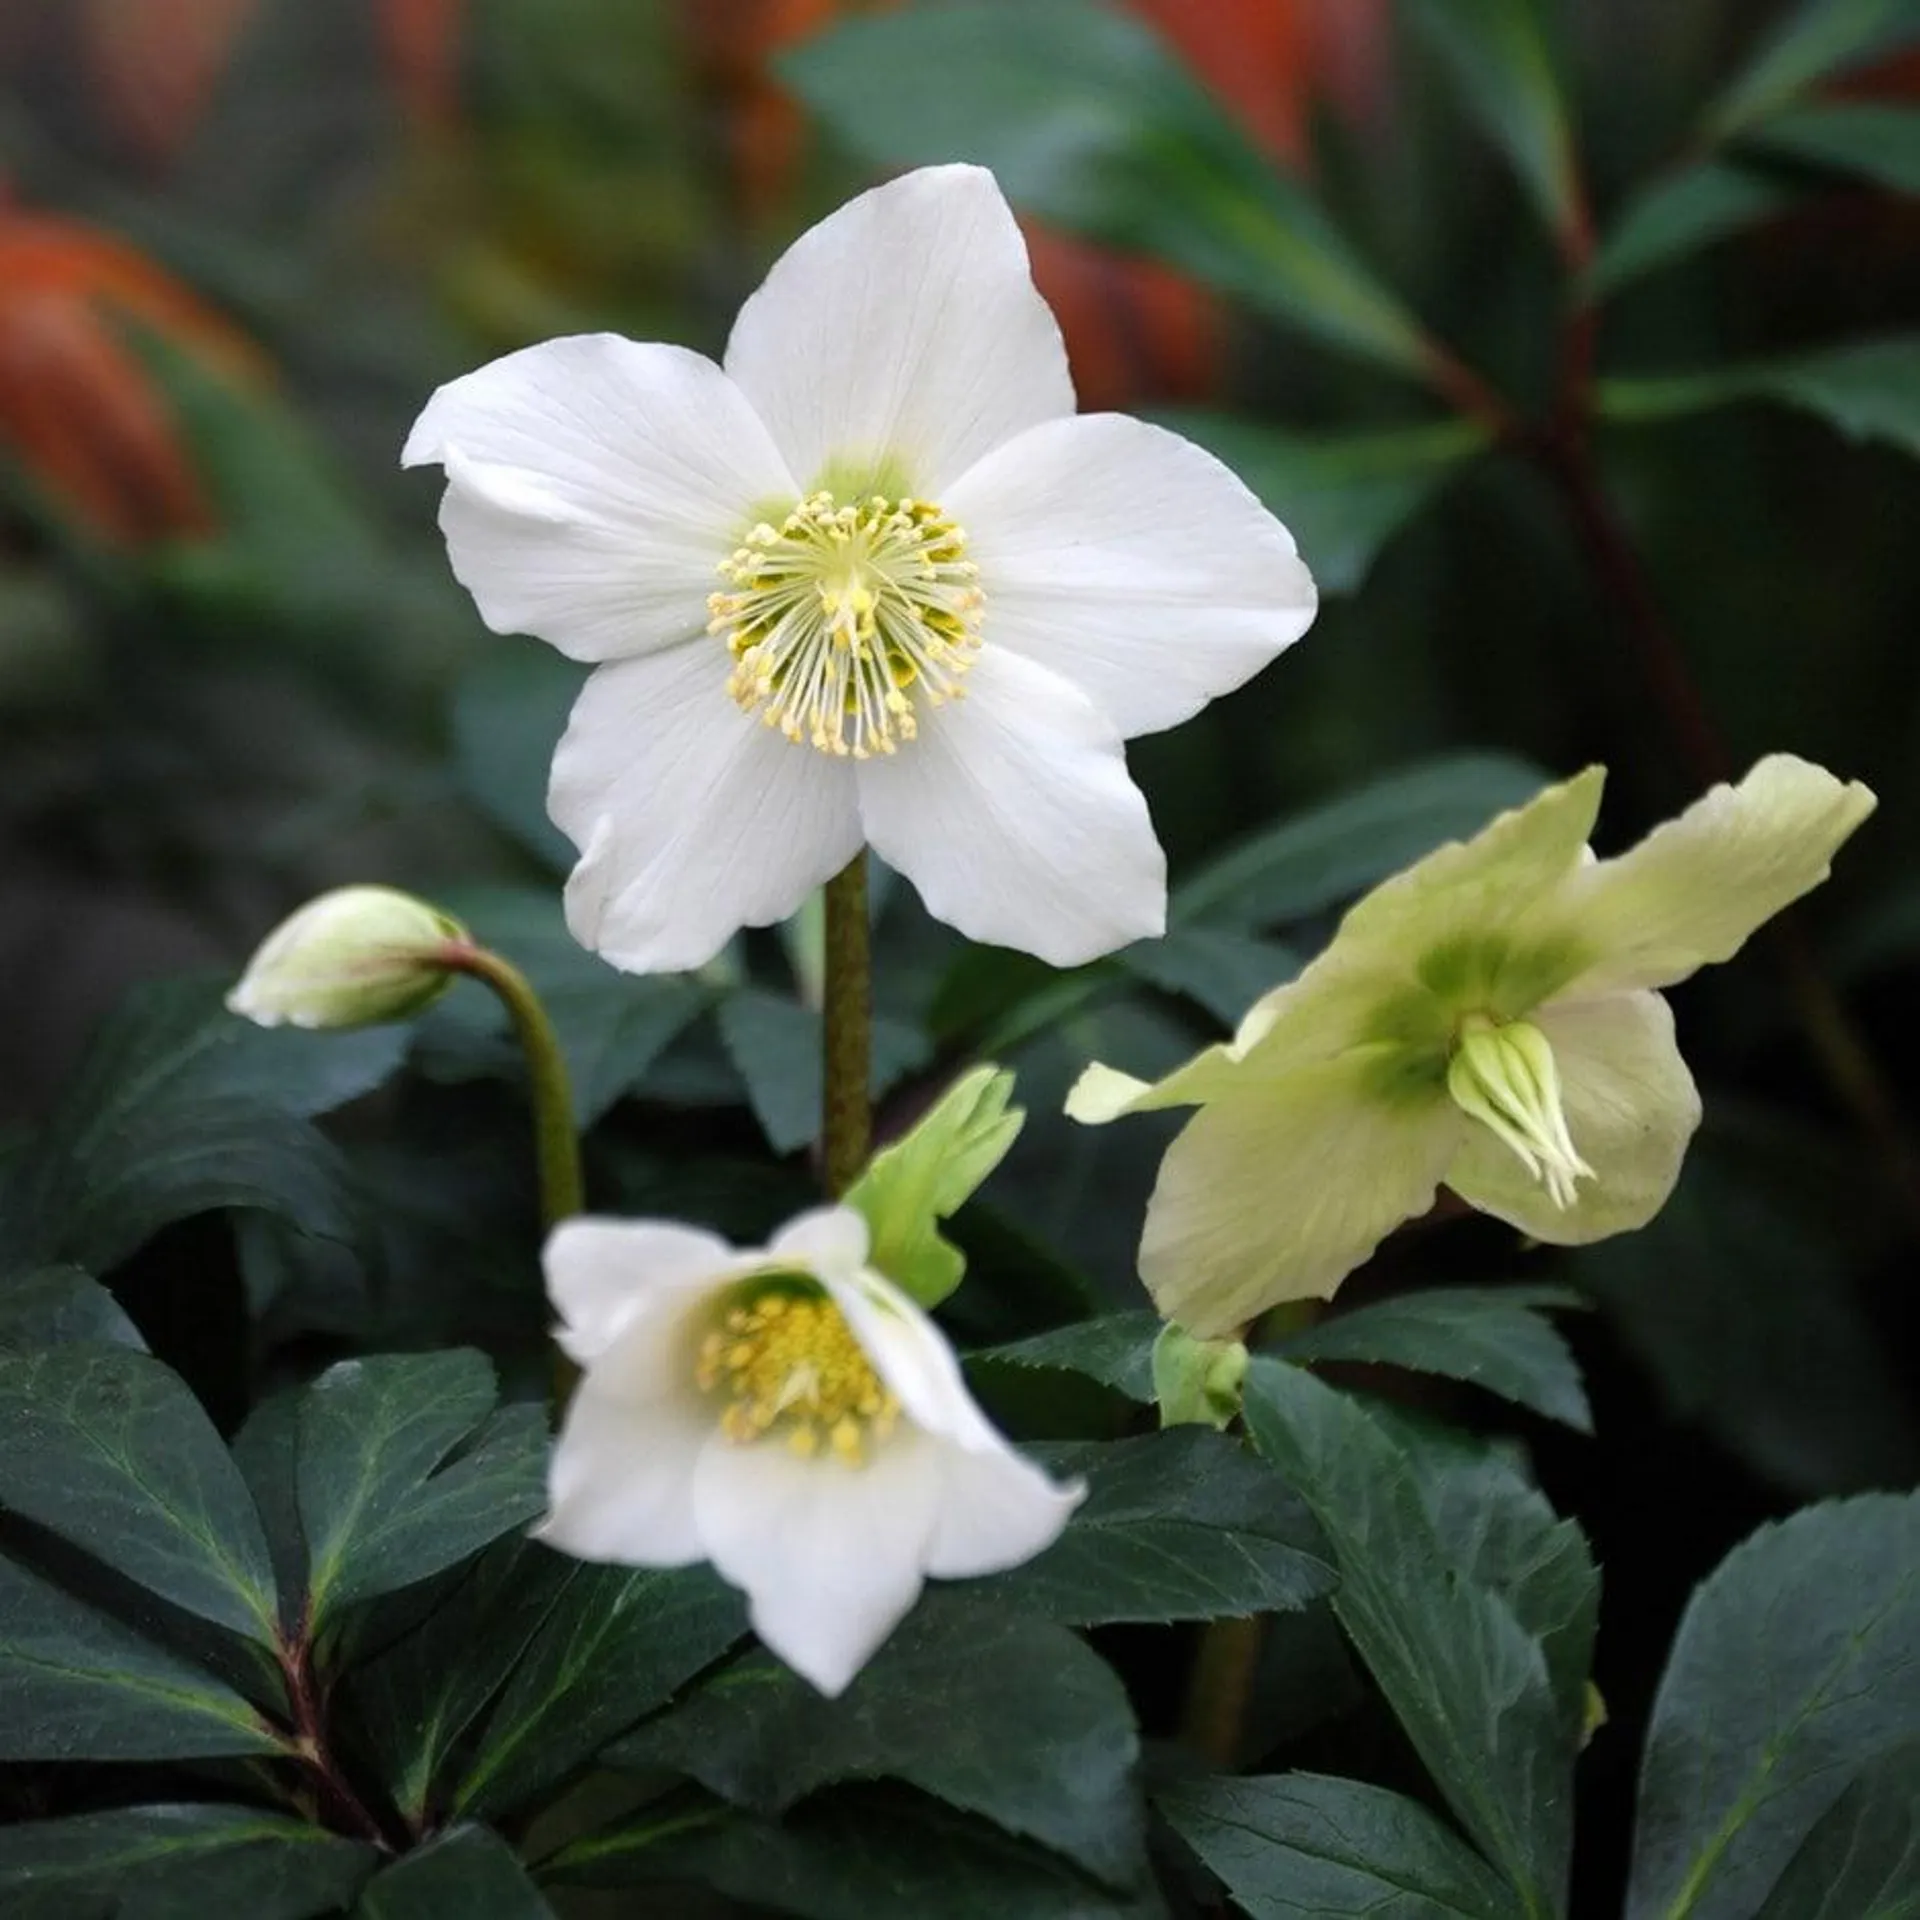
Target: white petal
x: 1631, y: 1108
x: 1131, y: 563
x: 694, y: 820
x: 912, y: 1356
x: 620, y: 1484
x: 1015, y: 819
x: 1279, y: 1192
x: 905, y: 325
x: 996, y: 1511
x: 1694, y: 889
x: 601, y: 1273
x: 828, y: 1240
x: 829, y: 1555
x: 593, y: 486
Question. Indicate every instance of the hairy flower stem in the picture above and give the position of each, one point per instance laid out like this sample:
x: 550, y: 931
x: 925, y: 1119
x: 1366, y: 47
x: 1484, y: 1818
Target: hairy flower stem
x: 556, y: 1142
x: 847, y: 1115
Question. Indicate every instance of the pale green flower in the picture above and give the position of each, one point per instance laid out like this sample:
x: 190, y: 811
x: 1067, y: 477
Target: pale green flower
x: 1486, y: 1020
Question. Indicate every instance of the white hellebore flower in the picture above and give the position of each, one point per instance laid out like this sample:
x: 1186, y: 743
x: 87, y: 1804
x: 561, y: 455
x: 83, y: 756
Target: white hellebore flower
x: 786, y: 1413
x: 870, y: 582
x: 349, y: 958
x: 1489, y: 1020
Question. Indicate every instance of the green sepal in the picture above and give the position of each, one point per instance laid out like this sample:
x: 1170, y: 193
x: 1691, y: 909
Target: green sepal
x: 911, y: 1186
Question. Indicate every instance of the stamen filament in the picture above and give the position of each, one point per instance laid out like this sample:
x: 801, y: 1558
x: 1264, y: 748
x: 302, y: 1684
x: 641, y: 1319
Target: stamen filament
x: 1503, y: 1075
x: 843, y: 618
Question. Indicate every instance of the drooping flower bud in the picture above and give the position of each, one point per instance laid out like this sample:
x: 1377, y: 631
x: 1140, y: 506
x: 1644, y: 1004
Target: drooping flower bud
x: 350, y: 958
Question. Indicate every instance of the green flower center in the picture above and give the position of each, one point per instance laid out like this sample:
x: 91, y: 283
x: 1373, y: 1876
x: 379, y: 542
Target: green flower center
x: 845, y: 618
x: 1502, y: 1074
x: 785, y: 1364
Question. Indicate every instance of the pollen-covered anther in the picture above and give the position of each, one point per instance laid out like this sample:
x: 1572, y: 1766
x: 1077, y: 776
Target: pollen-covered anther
x: 787, y: 1367
x: 1502, y: 1074
x: 845, y: 617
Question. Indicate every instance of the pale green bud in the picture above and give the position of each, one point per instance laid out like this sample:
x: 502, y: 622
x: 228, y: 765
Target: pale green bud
x: 1503, y: 1074
x: 351, y: 958
x: 1197, y: 1382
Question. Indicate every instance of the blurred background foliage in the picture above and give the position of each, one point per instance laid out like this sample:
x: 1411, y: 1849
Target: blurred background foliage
x: 241, y: 240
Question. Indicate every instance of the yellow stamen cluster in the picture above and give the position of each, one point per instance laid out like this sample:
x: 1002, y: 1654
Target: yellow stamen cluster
x: 788, y: 1365
x: 843, y: 617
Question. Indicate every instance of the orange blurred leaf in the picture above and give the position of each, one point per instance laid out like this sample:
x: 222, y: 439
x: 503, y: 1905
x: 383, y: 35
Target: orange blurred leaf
x: 78, y: 409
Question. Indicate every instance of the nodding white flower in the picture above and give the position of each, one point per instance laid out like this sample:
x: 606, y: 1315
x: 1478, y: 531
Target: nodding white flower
x: 786, y: 1413
x: 1488, y: 1020
x: 870, y: 582
x: 349, y: 958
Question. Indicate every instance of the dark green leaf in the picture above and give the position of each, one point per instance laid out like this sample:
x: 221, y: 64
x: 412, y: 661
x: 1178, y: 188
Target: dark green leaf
x: 181, y: 1107
x: 422, y: 1694
x: 1116, y: 1350
x: 1225, y: 971
x: 1342, y: 496
x: 1741, y: 1296
x: 508, y: 714
x: 1679, y: 214
x: 178, y: 1862
x: 1464, y: 1676
x: 1497, y: 54
x: 167, y: 1162
x: 404, y: 1469
x: 109, y: 1450
x: 856, y: 1854
x: 467, y: 1873
x: 1498, y: 1531
x: 265, y: 1450
x: 1089, y: 121
x: 75, y: 1685
x: 611, y: 1026
x: 1867, y: 390
x: 1010, y: 1718
x: 1822, y: 37
x: 1793, y: 1669
x: 1880, y: 143
x: 1182, y: 1525
x: 1861, y: 1858
x: 1301, y: 1846
x: 50, y: 1306
x: 617, y: 1645
x: 775, y: 1044
x: 1322, y: 857
x: 1490, y: 1336
x: 175, y: 1040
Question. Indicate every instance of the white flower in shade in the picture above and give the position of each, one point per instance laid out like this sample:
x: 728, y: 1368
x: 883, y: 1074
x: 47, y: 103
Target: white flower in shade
x: 1486, y: 1020
x: 786, y: 1413
x: 870, y: 582
x: 349, y: 958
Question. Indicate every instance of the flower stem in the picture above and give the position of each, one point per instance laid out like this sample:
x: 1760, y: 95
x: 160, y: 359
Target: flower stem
x: 562, y: 1191
x: 847, y: 1062
x: 556, y: 1143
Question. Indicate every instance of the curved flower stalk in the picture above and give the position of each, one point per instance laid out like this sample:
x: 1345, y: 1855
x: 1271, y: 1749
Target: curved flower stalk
x: 786, y: 1413
x: 873, y: 582
x: 1488, y: 1020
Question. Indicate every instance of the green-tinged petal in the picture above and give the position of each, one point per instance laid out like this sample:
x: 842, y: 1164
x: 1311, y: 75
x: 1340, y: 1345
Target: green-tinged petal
x: 1278, y: 1193
x: 1480, y: 886
x: 1693, y: 890
x: 1631, y: 1107
x: 1309, y: 1019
